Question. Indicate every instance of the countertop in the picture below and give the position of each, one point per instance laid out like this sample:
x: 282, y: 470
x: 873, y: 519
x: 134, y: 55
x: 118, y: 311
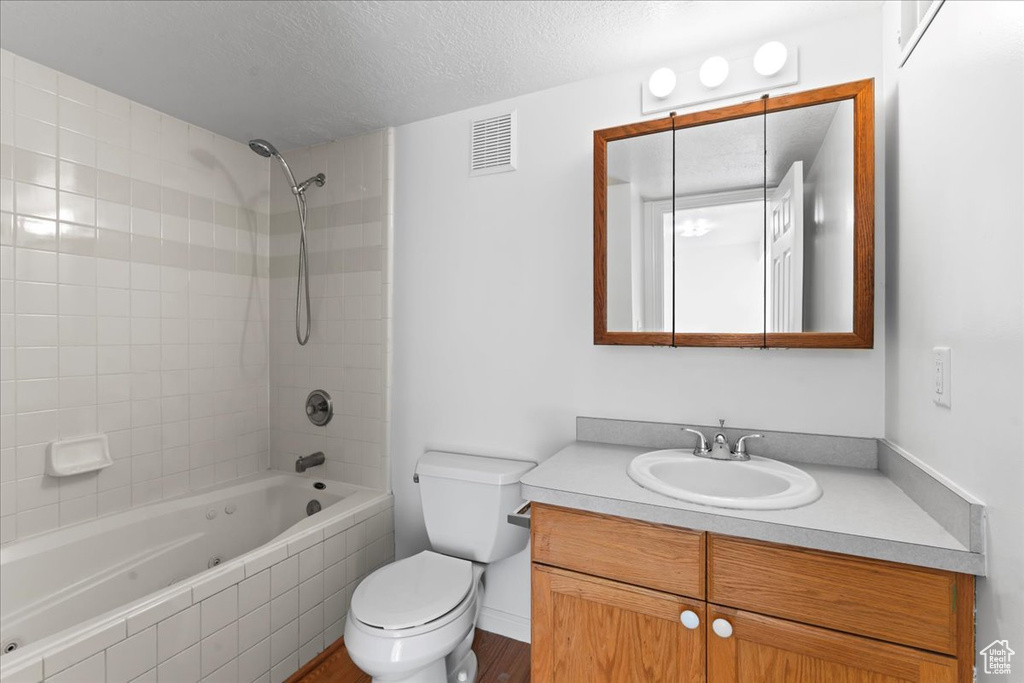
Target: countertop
x: 861, y: 511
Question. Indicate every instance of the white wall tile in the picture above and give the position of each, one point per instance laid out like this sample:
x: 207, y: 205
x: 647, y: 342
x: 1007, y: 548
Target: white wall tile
x: 254, y: 592
x: 219, y: 610
x: 255, y: 661
x: 132, y: 657
x: 125, y: 169
x: 283, y: 669
x: 94, y: 642
x: 219, y: 648
x: 284, y: 608
x: 92, y: 669
x: 254, y: 627
x: 147, y: 677
x: 178, y: 632
x: 311, y: 593
x: 181, y: 668
x: 284, y: 641
x: 284, y: 576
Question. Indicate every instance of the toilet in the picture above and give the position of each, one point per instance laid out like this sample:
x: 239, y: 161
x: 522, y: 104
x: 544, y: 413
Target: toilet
x: 414, y: 620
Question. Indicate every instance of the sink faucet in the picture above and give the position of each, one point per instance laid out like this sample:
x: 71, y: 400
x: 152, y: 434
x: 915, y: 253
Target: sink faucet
x: 719, y: 448
x: 307, y: 461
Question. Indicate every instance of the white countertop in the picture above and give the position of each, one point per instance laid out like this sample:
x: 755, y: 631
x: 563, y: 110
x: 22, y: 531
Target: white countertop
x: 861, y: 512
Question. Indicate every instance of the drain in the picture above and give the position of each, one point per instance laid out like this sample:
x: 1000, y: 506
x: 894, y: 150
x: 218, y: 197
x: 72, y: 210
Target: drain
x: 214, y: 561
x: 312, y: 507
x: 11, y: 646
x: 319, y: 486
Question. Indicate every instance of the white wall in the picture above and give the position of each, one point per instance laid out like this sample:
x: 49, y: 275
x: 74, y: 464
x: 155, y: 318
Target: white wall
x: 133, y: 272
x: 955, y: 241
x: 494, y: 350
x: 719, y: 287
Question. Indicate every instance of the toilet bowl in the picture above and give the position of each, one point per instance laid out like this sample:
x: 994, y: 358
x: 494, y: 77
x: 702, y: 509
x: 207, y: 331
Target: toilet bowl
x: 413, y: 621
x: 430, y: 640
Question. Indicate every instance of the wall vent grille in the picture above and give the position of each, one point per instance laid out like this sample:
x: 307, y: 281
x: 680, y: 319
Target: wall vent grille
x: 493, y: 145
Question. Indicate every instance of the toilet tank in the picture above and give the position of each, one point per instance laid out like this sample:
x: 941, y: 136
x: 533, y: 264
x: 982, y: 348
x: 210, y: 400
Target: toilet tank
x: 466, y: 501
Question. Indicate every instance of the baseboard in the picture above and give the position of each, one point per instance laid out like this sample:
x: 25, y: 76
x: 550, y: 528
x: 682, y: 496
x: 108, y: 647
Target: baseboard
x: 504, y: 624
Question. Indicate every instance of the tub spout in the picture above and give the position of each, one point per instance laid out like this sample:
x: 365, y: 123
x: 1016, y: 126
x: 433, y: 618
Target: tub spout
x: 305, y: 462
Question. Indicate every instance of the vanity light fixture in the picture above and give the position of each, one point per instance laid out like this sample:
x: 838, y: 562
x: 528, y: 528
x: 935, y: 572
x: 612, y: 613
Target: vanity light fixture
x: 714, y: 71
x: 680, y: 85
x: 770, y: 58
x: 662, y: 82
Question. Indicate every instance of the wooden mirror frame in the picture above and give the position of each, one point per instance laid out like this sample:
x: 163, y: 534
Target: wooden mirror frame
x: 862, y: 336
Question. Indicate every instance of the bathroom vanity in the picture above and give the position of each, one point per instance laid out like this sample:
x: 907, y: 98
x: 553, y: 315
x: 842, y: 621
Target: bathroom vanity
x: 862, y: 585
x: 615, y: 599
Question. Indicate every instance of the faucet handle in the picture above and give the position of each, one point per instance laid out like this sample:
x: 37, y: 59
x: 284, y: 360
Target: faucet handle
x: 702, y: 447
x: 741, y: 445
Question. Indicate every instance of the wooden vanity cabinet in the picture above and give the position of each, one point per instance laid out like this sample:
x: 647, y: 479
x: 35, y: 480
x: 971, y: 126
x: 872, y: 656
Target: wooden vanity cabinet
x: 621, y: 600
x: 770, y: 650
x: 591, y: 629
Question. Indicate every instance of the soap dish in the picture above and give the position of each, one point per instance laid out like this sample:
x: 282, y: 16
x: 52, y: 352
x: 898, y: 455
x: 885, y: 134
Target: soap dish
x: 78, y: 455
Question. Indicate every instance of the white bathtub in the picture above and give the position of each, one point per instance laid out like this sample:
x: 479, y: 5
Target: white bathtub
x: 133, y: 569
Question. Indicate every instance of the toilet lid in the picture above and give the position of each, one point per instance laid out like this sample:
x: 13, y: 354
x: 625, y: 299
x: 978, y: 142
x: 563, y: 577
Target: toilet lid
x: 412, y: 591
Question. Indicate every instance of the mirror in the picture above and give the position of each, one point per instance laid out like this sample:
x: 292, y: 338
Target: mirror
x: 719, y: 228
x: 749, y: 225
x: 639, y: 176
x: 809, y: 252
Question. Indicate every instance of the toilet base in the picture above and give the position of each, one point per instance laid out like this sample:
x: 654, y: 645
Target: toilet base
x: 432, y: 673
x: 461, y: 663
x: 464, y: 672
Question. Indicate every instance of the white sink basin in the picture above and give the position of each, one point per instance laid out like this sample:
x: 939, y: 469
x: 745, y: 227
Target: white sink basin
x: 755, y: 484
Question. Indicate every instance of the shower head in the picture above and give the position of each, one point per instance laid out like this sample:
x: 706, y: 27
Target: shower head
x: 263, y: 148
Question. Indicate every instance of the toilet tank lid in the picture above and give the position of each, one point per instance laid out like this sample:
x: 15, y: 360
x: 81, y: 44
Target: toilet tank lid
x: 475, y: 468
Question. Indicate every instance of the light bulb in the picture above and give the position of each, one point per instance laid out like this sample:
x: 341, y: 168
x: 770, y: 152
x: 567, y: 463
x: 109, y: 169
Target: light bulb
x: 662, y: 82
x: 770, y: 58
x: 714, y: 71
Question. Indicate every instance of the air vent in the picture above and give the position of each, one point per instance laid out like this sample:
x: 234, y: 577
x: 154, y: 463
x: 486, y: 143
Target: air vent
x: 493, y: 145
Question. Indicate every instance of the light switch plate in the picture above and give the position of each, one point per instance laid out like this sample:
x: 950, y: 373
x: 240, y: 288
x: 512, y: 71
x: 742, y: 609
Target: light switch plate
x: 942, y: 371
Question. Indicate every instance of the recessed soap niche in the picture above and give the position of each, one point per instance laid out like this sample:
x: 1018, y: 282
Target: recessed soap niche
x: 78, y: 455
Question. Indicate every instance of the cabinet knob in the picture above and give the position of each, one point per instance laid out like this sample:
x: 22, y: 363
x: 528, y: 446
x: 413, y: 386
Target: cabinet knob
x: 722, y: 628
x: 689, y: 619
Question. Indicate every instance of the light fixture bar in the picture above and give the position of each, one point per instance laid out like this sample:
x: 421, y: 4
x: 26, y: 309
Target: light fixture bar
x: 741, y: 79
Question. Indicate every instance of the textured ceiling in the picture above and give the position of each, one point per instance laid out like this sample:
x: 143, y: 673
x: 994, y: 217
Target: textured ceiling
x: 300, y: 72
x: 723, y: 156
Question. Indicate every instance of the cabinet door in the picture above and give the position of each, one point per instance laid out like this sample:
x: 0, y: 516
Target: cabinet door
x: 592, y: 630
x: 750, y: 648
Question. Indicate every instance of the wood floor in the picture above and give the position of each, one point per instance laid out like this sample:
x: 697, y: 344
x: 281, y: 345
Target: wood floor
x: 500, y: 660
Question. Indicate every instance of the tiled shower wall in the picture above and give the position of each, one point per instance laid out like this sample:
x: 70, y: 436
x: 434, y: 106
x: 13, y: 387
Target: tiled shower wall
x: 134, y: 299
x: 349, y: 232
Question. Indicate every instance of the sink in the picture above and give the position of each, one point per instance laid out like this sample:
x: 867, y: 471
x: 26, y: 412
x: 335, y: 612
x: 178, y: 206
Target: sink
x: 755, y: 484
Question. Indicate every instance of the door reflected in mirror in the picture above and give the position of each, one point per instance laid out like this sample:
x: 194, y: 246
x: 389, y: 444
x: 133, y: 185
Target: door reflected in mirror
x: 810, y: 239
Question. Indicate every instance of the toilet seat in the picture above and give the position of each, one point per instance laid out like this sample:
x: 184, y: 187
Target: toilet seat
x: 412, y: 592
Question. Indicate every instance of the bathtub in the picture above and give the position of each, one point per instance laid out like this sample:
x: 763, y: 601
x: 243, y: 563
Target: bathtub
x: 74, y: 593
